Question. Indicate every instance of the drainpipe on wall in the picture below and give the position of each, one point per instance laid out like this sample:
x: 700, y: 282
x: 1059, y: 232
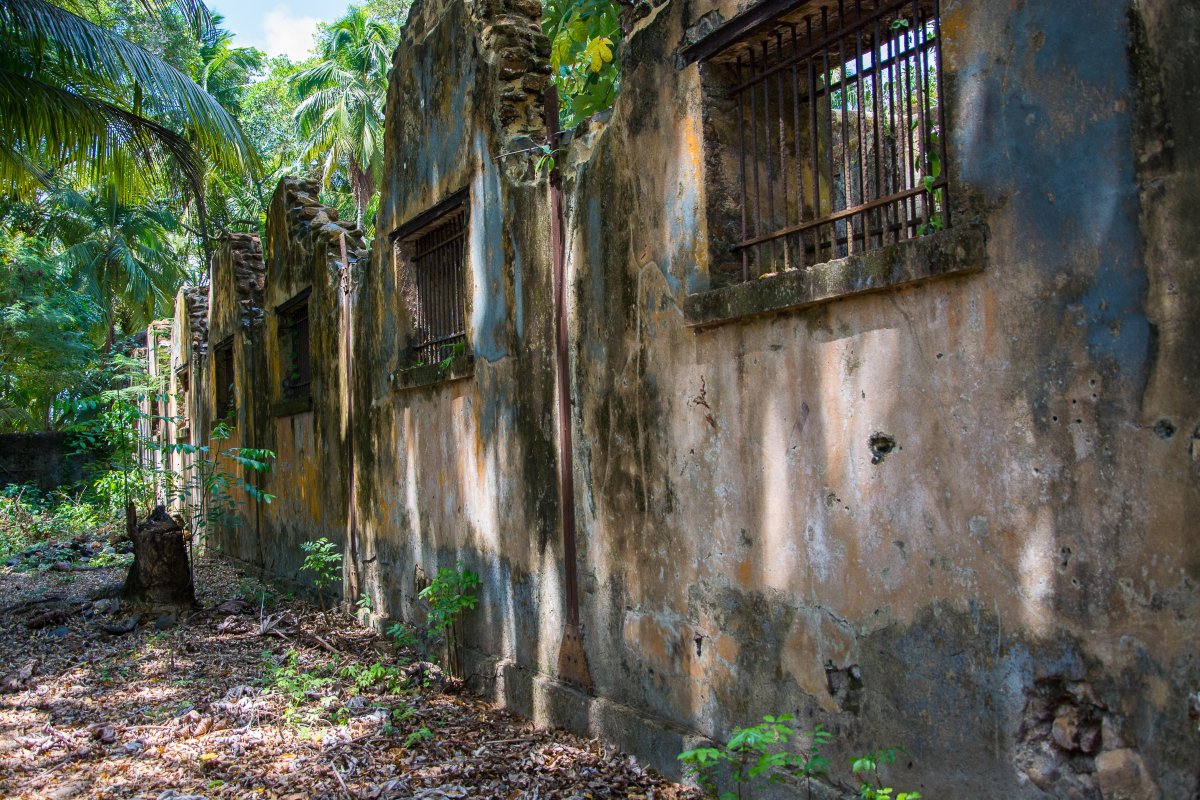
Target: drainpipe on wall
x: 572, y: 659
x: 346, y: 284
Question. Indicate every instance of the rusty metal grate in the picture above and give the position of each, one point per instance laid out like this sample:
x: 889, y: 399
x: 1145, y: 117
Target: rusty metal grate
x: 295, y: 347
x: 438, y: 258
x: 840, y: 131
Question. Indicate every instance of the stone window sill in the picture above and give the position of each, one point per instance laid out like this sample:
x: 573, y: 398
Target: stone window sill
x: 433, y: 374
x: 288, y: 408
x: 961, y: 250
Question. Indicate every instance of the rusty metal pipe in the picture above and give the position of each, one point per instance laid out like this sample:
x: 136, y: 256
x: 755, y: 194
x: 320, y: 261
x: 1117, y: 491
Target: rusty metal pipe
x: 348, y: 350
x: 572, y: 660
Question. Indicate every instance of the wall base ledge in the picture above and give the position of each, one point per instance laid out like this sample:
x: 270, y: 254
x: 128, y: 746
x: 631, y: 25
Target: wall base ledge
x: 552, y: 703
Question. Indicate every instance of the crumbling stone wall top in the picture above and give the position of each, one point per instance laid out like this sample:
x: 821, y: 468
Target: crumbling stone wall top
x: 249, y: 274
x: 306, y: 216
x: 196, y: 300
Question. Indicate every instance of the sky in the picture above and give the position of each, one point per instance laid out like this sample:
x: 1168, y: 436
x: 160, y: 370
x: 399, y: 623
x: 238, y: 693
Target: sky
x: 277, y: 26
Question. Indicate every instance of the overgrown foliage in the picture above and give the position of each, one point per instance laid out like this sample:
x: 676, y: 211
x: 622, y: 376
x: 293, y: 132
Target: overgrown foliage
x: 340, y: 116
x: 29, y: 517
x: 583, y: 37
x: 80, y: 101
x: 204, y: 490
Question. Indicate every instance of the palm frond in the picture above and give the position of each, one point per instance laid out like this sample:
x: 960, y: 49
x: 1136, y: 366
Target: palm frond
x: 45, y: 29
x: 55, y: 128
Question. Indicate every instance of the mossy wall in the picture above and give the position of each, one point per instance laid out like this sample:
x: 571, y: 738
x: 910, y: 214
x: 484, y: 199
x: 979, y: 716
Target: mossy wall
x: 954, y: 514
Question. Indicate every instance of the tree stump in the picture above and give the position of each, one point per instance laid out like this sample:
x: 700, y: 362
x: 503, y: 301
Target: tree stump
x: 160, y: 573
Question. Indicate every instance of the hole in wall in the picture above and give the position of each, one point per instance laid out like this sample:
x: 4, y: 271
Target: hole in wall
x: 1163, y: 429
x: 880, y: 444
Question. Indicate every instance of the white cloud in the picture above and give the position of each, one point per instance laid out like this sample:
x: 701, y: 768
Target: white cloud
x: 287, y: 34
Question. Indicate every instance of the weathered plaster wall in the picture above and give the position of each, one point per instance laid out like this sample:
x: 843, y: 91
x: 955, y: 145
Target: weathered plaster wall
x: 464, y: 469
x: 235, y: 315
x: 744, y: 554
x: 188, y: 346
x: 1009, y: 591
x: 310, y: 485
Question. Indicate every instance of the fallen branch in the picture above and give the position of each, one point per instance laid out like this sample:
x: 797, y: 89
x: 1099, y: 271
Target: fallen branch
x: 53, y: 598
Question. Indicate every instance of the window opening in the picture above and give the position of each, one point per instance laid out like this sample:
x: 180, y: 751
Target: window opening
x: 837, y: 145
x: 183, y: 387
x: 434, y: 247
x: 294, y: 348
x: 223, y: 375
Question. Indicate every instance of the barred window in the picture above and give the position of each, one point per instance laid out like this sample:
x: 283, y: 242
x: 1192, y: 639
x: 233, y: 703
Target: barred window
x: 825, y: 132
x: 224, y: 379
x: 432, y: 253
x: 294, y: 344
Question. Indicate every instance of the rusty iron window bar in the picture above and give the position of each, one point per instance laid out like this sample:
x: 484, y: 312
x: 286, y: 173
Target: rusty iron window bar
x: 840, y: 128
x: 435, y: 248
x: 224, y: 379
x: 296, y: 366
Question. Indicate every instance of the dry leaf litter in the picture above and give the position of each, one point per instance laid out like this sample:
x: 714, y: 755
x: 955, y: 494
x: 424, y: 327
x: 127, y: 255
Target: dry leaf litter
x: 245, y: 699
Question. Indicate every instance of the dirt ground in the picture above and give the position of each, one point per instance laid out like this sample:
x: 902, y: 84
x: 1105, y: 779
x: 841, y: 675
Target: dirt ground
x: 254, y: 698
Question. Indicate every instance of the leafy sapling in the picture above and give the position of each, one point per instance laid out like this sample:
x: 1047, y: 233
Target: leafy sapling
x: 867, y: 768
x: 448, y: 595
x: 324, y: 562
x: 402, y: 636
x: 756, y: 753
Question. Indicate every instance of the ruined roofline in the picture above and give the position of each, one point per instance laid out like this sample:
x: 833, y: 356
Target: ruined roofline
x: 307, y: 216
x: 245, y: 254
x: 512, y: 44
x: 195, y: 299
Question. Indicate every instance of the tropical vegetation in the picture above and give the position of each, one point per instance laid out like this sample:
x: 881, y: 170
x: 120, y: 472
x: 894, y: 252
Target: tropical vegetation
x: 134, y: 133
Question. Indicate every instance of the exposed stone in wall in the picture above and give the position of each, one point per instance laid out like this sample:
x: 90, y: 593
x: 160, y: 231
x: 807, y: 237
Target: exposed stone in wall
x: 196, y: 298
x: 1064, y: 728
x: 307, y: 218
x: 249, y: 274
x: 512, y: 39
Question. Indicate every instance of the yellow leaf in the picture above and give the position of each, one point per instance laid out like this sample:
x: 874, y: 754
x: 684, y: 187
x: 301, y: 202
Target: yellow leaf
x: 598, y: 53
x: 209, y: 756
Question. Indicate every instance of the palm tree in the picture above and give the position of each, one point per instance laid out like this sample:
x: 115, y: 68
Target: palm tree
x: 225, y: 70
x: 341, y: 116
x: 78, y: 101
x: 119, y: 255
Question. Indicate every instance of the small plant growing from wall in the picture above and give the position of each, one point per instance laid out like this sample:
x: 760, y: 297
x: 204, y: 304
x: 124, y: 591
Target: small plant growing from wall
x: 448, y: 595
x: 324, y: 563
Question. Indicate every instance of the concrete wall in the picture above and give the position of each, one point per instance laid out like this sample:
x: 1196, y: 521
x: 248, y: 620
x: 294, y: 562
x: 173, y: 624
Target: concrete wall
x: 1009, y: 592
x: 44, y: 460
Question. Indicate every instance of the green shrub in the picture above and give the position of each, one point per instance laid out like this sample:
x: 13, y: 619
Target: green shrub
x: 324, y: 562
x: 448, y: 595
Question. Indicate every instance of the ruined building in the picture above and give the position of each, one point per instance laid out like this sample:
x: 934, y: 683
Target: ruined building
x: 883, y: 355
